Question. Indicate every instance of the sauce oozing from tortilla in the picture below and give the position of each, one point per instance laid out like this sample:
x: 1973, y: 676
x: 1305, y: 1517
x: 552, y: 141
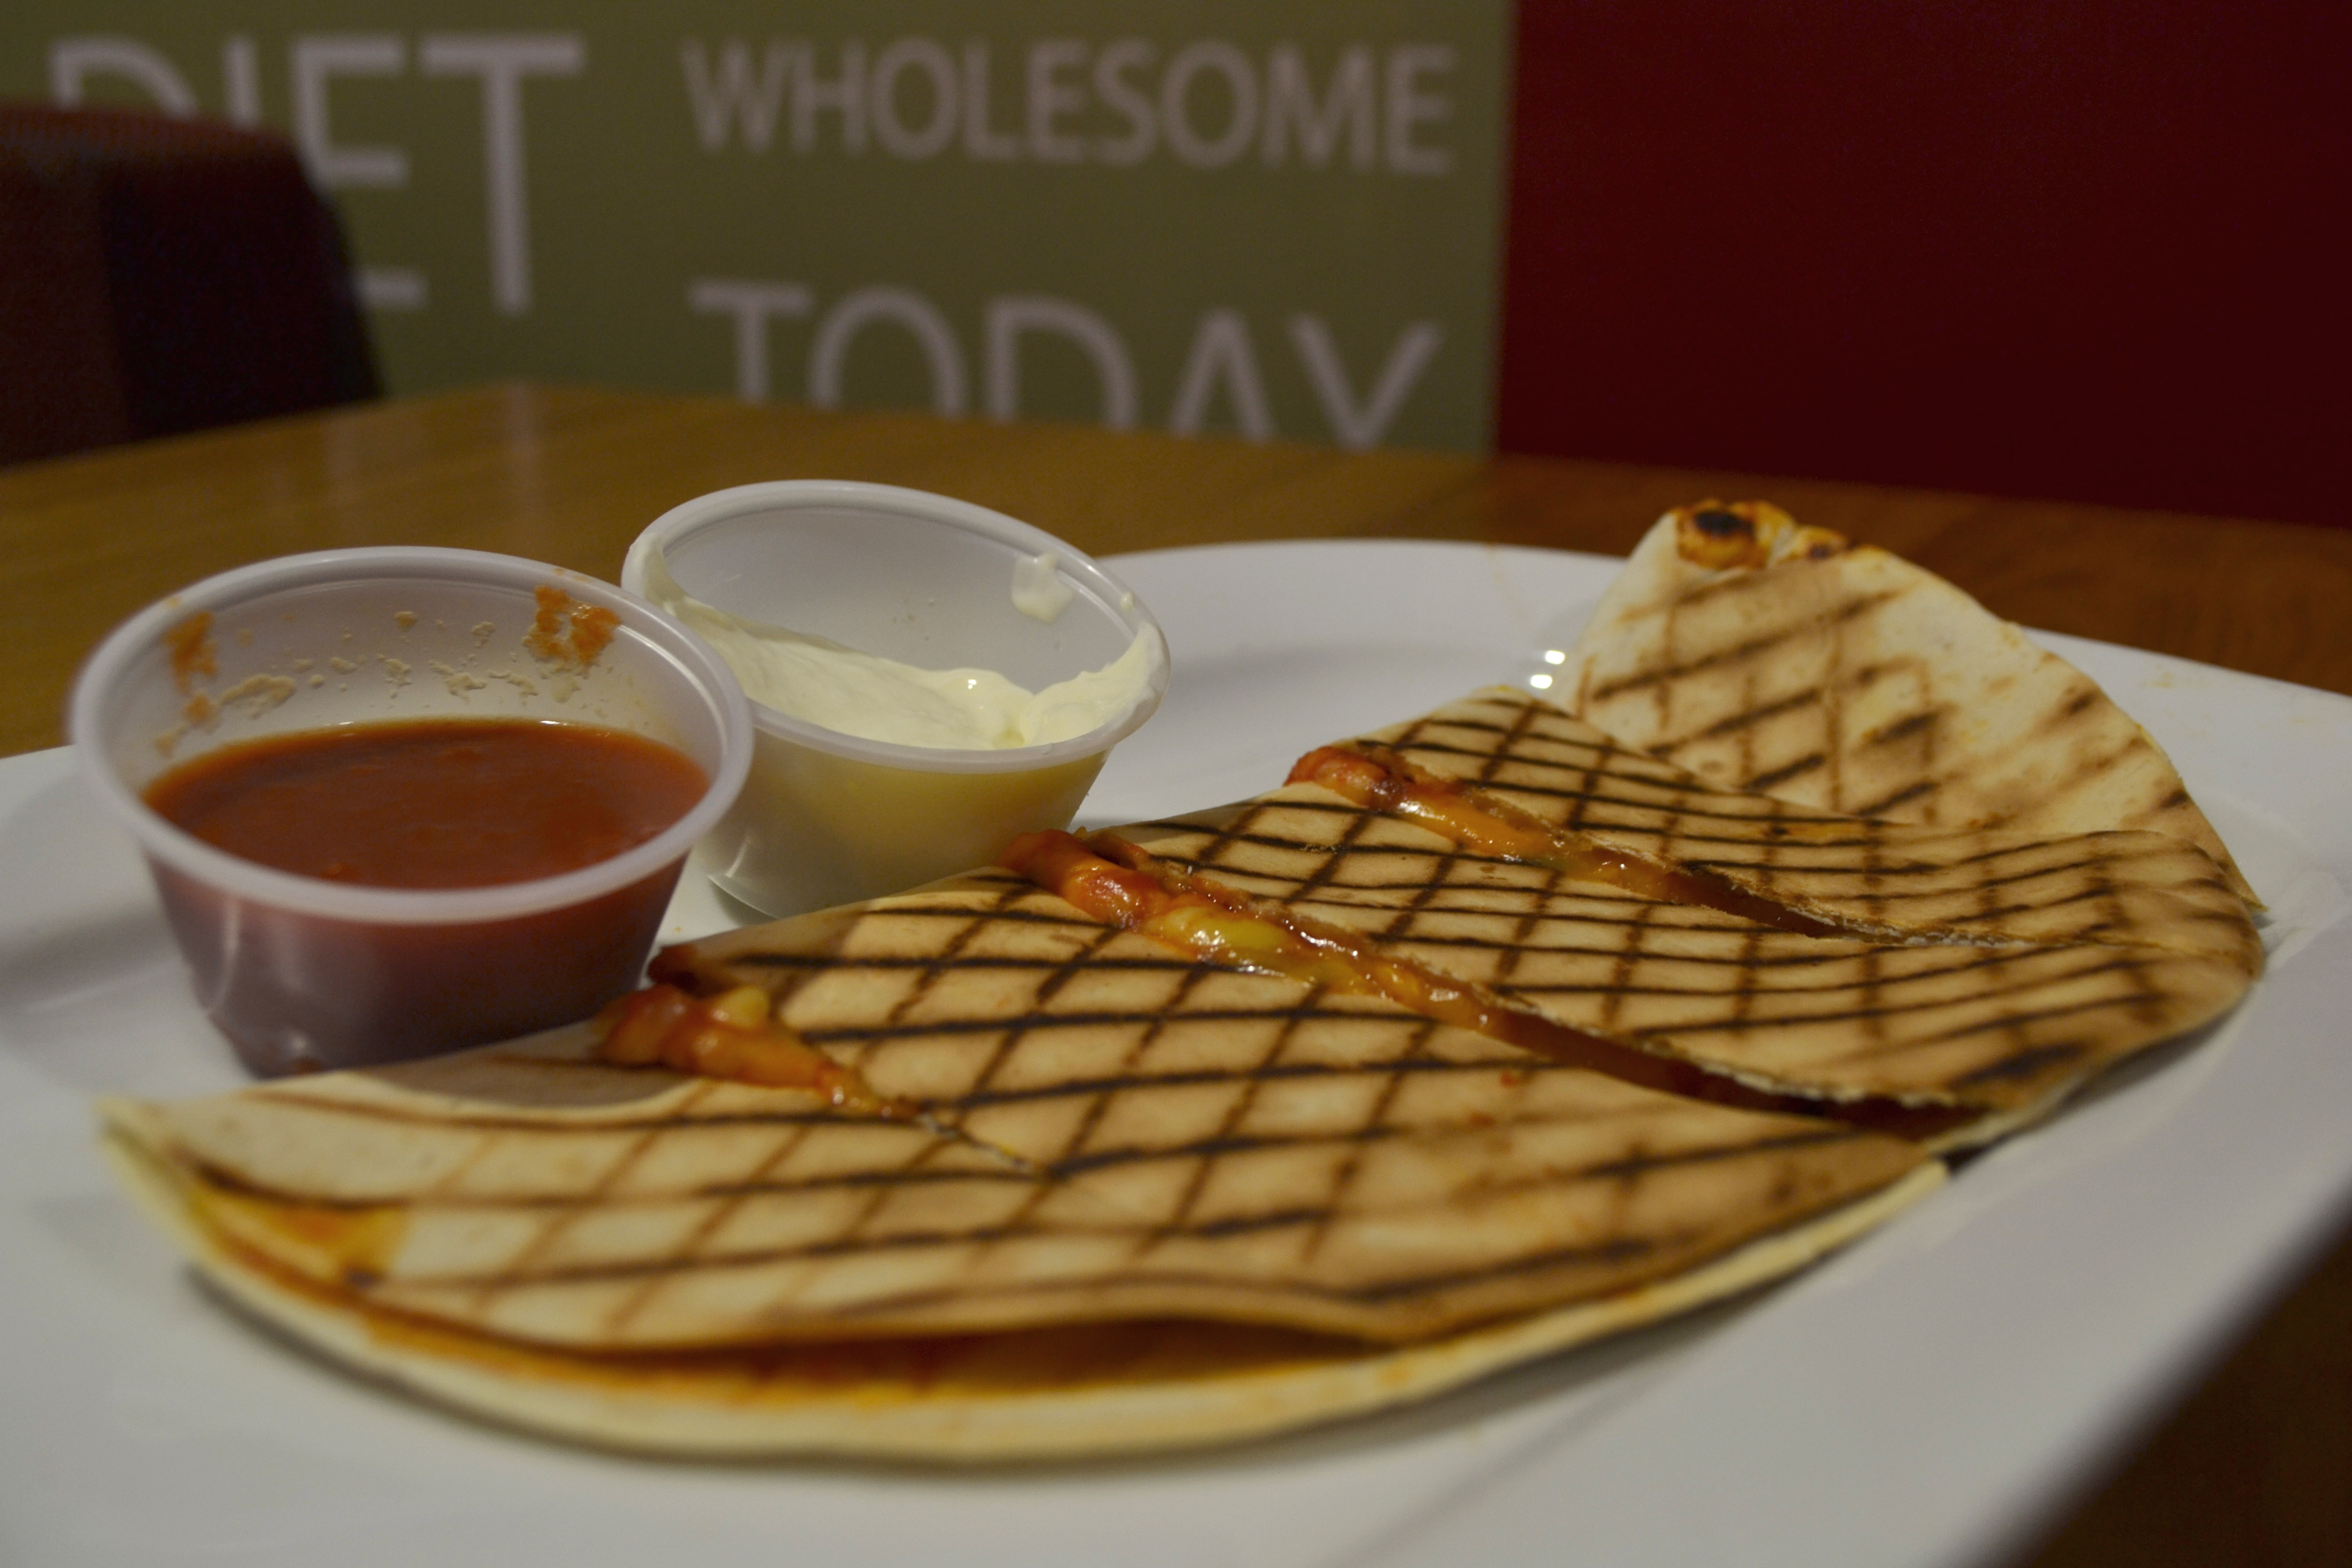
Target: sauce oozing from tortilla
x: 1380, y: 784
x: 1111, y: 880
x: 731, y: 1035
x: 435, y: 803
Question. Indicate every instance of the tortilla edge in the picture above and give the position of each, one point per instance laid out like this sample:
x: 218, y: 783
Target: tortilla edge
x: 1096, y: 1420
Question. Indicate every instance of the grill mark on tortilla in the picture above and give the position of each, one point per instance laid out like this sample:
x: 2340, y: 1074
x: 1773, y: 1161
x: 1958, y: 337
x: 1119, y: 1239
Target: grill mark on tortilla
x: 832, y: 963
x: 1685, y: 802
x: 1880, y: 1044
x: 1868, y: 874
x: 1739, y: 653
x: 1203, y: 854
x: 1265, y: 1071
x: 1616, y: 1250
x: 1833, y: 714
x: 2147, y: 1014
x: 1613, y: 1250
x: 953, y: 949
x: 1621, y: 973
x: 1012, y: 894
x: 1743, y: 994
x: 1348, y: 834
x: 229, y: 1181
x: 2085, y: 933
x: 2084, y: 697
x: 1870, y: 845
x: 1874, y: 892
x: 1408, y: 1064
x: 1880, y: 992
x: 1617, y: 1058
x: 731, y: 1203
x: 1812, y: 1134
x: 1741, y: 724
x: 1379, y: 1292
x: 1684, y: 789
x: 1763, y: 783
x: 1106, y: 1091
x: 1032, y: 1021
x: 1054, y: 980
x: 1909, y: 792
x: 876, y: 1197
x: 1522, y: 931
x: 2023, y: 1066
x: 1599, y: 746
x: 1512, y: 735
x: 597, y: 1192
x: 1454, y: 854
x: 509, y: 1278
x: 1582, y: 893
x: 2087, y: 772
x: 1375, y: 1125
x: 1999, y: 1021
x: 1706, y: 960
x: 1626, y: 958
x: 1590, y: 774
x: 813, y: 1115
x: 1913, y: 868
x: 1876, y: 1008
x: 1903, y: 729
x: 1021, y: 916
x: 1234, y: 1112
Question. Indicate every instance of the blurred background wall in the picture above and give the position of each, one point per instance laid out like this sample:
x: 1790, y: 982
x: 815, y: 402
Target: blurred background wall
x: 2091, y: 251
x: 1278, y: 220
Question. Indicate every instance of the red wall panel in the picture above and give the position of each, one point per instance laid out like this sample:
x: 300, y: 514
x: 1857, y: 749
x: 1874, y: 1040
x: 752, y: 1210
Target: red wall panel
x: 2089, y: 249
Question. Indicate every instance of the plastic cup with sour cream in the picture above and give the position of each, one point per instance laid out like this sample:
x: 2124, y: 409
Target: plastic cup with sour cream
x: 302, y: 972
x: 920, y: 580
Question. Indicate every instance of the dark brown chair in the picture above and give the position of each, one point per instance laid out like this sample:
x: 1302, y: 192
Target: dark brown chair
x: 161, y: 274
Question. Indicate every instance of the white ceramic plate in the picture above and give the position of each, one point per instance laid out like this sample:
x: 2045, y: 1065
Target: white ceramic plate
x: 1922, y: 1398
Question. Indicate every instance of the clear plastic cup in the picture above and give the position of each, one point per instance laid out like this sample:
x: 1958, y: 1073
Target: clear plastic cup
x: 925, y: 579
x: 302, y: 972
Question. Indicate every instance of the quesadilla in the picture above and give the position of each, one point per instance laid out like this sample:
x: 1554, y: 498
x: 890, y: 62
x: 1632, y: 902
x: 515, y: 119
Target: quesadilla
x: 1070, y: 1125
x: 1550, y: 878
x: 1518, y: 757
x: 1485, y: 1036
x: 1998, y: 1032
x: 1766, y: 656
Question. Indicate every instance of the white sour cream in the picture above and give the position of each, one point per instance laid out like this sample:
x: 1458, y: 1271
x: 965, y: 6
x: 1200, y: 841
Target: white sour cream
x: 853, y: 693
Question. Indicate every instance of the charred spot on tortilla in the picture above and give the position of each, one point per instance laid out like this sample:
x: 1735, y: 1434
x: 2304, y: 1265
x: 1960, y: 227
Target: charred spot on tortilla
x: 1744, y: 535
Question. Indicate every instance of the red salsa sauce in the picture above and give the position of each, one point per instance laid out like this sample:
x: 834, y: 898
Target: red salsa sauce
x: 432, y: 803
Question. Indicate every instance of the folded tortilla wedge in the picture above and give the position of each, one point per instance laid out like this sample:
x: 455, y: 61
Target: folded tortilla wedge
x: 1523, y: 757
x: 1138, y: 1200
x: 1989, y: 973
x: 1765, y: 656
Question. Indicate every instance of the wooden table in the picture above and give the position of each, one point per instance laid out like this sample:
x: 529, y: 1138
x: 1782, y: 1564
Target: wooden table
x: 2252, y: 1471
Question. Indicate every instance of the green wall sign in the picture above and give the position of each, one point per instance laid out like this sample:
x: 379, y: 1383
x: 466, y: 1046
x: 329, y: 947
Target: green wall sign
x: 1275, y: 219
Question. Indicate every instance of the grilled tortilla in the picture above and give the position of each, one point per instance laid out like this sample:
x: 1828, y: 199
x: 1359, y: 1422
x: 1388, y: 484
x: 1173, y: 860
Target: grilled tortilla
x: 1527, y: 758
x: 1075, y: 1391
x: 1764, y: 656
x: 1106, y: 1132
x: 2003, y: 1030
